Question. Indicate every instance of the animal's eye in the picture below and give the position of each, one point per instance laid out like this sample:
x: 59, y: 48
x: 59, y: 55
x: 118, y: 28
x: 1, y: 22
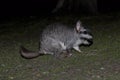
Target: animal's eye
x: 85, y: 32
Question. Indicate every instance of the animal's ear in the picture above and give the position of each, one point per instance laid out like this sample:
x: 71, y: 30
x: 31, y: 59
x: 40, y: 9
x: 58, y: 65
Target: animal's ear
x: 78, y: 26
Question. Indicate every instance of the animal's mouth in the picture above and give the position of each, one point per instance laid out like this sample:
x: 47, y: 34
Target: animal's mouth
x: 90, y: 42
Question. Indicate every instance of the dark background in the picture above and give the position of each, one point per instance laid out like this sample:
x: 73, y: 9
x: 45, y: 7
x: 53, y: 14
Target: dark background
x: 17, y: 8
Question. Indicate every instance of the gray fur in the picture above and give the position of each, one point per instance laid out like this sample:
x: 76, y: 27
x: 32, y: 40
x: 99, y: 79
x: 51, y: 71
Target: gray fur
x: 57, y: 38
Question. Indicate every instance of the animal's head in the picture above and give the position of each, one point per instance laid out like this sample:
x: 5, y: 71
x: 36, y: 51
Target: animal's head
x: 84, y: 34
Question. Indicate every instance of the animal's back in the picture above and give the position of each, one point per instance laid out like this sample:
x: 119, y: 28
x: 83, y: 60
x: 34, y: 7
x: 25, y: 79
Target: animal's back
x: 56, y: 35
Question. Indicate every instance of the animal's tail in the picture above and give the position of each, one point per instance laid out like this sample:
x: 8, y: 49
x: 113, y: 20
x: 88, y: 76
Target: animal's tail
x: 29, y: 54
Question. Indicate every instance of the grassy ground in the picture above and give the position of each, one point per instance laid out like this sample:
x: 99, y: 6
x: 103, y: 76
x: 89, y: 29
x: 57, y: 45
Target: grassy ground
x: 101, y: 61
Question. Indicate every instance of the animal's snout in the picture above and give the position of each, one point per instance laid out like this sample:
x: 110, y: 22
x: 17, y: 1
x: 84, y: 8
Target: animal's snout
x: 90, y: 41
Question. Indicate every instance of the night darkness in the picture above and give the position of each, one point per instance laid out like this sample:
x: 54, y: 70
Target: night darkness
x: 13, y: 9
x: 22, y: 24
x: 38, y: 7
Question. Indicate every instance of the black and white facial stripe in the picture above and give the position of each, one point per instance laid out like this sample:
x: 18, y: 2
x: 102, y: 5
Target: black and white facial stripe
x: 86, y: 37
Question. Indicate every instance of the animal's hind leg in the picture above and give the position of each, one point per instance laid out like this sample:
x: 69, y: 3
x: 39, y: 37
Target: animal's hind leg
x: 57, y: 54
x: 69, y: 52
x: 66, y: 53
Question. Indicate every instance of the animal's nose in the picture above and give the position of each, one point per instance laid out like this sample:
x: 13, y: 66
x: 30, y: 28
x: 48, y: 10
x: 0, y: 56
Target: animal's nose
x: 90, y: 42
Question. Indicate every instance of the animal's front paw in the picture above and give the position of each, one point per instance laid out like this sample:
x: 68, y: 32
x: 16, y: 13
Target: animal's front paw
x: 77, y: 49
